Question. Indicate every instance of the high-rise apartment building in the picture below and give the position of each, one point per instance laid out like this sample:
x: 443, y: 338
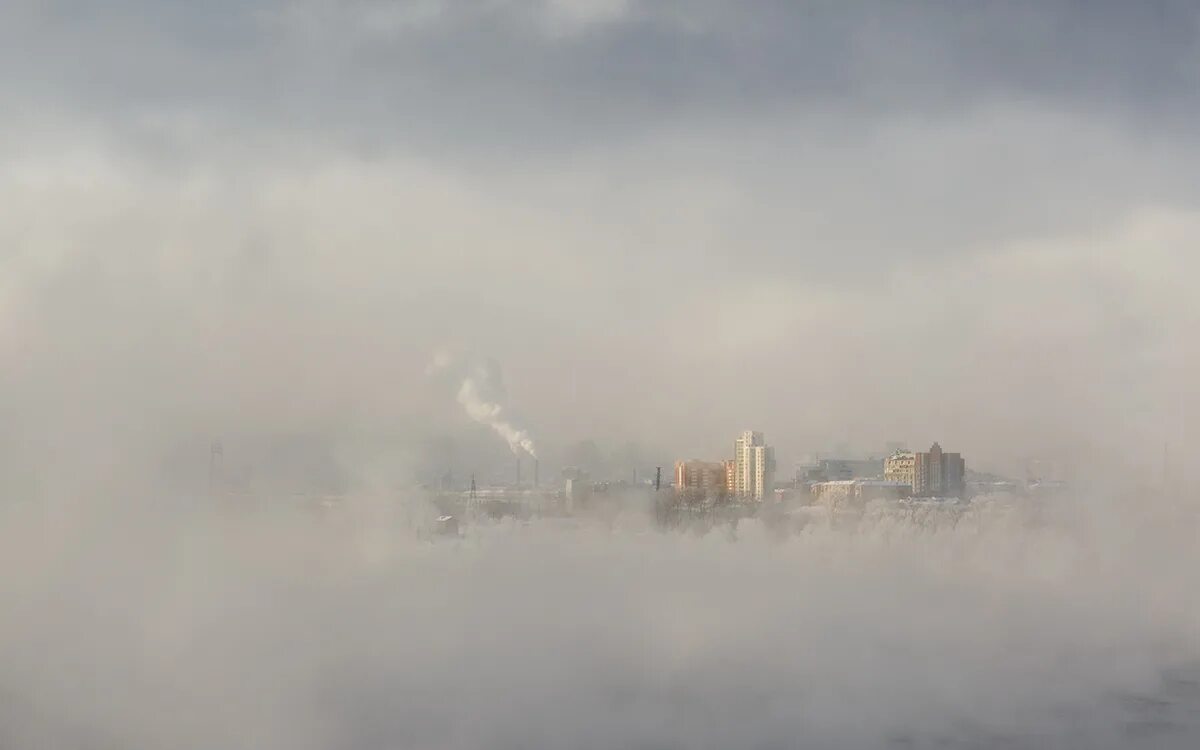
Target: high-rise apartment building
x: 754, y: 466
x: 932, y: 473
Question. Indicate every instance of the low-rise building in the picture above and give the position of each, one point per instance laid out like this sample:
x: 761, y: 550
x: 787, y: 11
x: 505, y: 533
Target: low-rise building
x: 900, y: 467
x: 857, y: 492
x: 708, y: 476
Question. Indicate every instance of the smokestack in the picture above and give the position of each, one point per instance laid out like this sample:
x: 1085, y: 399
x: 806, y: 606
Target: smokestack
x: 535, y: 473
x: 518, y: 471
x: 657, y: 478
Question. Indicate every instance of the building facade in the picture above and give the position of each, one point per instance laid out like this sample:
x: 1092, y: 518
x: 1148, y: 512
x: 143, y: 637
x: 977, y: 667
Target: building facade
x: 708, y: 476
x: 754, y: 467
x: 900, y: 467
x: 858, y: 492
x: 932, y: 473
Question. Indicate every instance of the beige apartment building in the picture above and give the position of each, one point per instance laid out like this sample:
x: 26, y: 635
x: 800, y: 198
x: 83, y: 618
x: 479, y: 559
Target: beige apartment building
x: 754, y: 466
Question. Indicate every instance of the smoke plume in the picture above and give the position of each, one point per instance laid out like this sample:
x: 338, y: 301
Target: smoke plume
x: 483, y: 397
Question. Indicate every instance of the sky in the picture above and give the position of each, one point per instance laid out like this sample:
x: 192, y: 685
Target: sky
x: 841, y: 224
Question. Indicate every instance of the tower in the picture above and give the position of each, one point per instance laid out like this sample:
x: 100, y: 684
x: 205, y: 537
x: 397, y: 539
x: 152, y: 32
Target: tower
x: 754, y: 466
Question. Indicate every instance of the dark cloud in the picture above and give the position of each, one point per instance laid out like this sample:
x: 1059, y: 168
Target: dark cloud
x: 465, y: 76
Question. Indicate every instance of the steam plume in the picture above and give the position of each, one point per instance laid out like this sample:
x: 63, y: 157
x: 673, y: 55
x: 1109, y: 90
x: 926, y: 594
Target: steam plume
x: 482, y: 395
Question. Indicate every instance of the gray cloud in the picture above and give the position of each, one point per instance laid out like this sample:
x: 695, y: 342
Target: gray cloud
x: 531, y: 75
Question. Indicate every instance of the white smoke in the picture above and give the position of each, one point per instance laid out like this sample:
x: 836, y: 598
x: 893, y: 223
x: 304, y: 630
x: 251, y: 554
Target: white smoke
x: 483, y: 397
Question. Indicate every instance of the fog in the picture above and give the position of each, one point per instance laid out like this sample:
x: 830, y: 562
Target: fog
x: 859, y: 210
x: 142, y: 627
x: 234, y: 237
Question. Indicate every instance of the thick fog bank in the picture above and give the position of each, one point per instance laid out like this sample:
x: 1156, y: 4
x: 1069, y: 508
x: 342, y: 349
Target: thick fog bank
x: 343, y: 629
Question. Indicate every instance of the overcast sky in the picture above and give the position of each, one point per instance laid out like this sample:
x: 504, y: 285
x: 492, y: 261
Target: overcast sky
x: 839, y: 223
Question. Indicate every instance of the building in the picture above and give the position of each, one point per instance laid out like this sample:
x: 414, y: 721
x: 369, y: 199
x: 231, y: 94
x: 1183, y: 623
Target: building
x: 577, y: 492
x: 932, y: 473
x: 939, y: 474
x: 709, y: 476
x: 832, y: 469
x: 754, y: 467
x: 899, y: 467
x: 850, y: 468
x: 858, y: 492
x: 700, y: 484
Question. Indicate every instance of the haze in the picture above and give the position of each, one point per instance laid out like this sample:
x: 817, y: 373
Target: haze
x: 293, y: 231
